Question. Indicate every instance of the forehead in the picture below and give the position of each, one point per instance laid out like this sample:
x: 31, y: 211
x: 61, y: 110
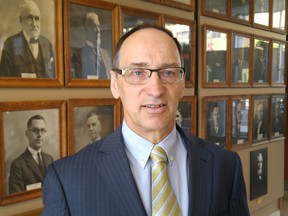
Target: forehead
x: 93, y: 118
x: 149, y: 44
x: 38, y: 123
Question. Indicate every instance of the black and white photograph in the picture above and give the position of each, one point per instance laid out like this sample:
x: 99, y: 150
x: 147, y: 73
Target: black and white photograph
x: 29, y: 44
x: 216, y: 122
x: 32, y: 140
x: 258, y: 173
x: 218, y: 7
x: 240, y: 63
x: 261, y: 61
x: 278, y: 63
x: 240, y: 121
x: 277, y: 116
x: 260, y: 118
x: 185, y: 114
x: 240, y: 9
x: 216, y: 56
x: 91, y: 120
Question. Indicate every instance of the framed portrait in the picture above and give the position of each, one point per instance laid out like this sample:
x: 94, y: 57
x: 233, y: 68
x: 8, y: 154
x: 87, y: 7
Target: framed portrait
x: 132, y: 17
x: 29, y: 54
x: 218, y: 9
x: 261, y: 13
x: 241, y: 11
x: 278, y: 63
x: 278, y: 116
x: 260, y: 123
x: 240, y: 59
x: 240, y: 121
x: 258, y: 173
x: 184, y: 31
x: 261, y: 61
x: 32, y: 136
x: 215, y: 120
x: 215, y: 57
x: 279, y: 15
x: 89, y: 39
x: 186, y: 114
x: 90, y: 120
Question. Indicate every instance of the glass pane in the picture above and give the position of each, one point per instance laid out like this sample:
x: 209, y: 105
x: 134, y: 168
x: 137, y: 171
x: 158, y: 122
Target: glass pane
x: 240, y: 59
x: 183, y: 35
x: 240, y: 9
x: 261, y: 52
x: 216, y: 6
x: 279, y: 15
x: 216, y: 49
x: 240, y: 121
x: 131, y: 21
x: 260, y: 119
x: 278, y: 65
x: 261, y: 12
x: 278, y: 116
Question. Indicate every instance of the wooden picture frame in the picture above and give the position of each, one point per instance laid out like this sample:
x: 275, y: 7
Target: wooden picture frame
x: 241, y: 11
x: 81, y: 43
x: 217, y: 9
x: 215, y: 121
x: 216, y: 56
x: 186, y: 114
x: 241, y: 60
x: 277, y: 116
x: 279, y: 10
x: 260, y: 123
x: 101, y: 114
x: 240, y: 121
x: 22, y: 181
x: 23, y: 70
x: 131, y: 17
x: 185, y: 32
x: 278, y: 53
x: 258, y: 173
x: 261, y: 61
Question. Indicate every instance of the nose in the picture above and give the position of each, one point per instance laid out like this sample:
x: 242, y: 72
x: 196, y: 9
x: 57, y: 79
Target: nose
x: 155, y: 86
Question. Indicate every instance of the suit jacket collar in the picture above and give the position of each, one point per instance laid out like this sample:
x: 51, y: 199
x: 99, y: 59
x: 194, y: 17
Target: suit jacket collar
x: 32, y: 164
x: 113, y: 165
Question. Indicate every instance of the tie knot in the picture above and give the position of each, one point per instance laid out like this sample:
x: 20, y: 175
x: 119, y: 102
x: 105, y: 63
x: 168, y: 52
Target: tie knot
x: 158, y: 154
x: 33, y: 40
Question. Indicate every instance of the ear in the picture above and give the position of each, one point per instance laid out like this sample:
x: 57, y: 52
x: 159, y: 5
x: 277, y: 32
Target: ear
x: 114, y: 85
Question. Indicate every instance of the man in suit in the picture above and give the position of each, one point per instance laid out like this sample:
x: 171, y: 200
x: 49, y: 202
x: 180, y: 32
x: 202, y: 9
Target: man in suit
x: 240, y: 68
x: 91, y: 61
x: 28, y: 54
x: 113, y: 175
x: 28, y: 170
x: 259, y: 123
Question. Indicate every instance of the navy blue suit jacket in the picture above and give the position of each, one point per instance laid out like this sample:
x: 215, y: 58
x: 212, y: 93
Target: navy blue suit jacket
x: 98, y: 181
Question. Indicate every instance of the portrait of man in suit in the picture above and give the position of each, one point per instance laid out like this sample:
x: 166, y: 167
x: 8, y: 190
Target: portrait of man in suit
x: 260, y: 124
x: 216, y: 123
x: 258, y: 173
x: 91, y: 61
x: 260, y: 71
x: 28, y: 54
x: 27, y: 171
x: 277, y: 116
x: 240, y: 67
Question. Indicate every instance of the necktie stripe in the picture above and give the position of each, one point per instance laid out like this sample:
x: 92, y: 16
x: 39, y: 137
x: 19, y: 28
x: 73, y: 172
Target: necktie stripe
x: 163, y: 199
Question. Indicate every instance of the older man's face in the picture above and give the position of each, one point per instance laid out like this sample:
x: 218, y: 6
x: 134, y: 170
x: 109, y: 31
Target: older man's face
x: 30, y: 21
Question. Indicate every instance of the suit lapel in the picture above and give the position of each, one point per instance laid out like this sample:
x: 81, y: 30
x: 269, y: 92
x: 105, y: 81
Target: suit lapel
x: 200, y: 166
x: 32, y: 164
x: 112, y: 163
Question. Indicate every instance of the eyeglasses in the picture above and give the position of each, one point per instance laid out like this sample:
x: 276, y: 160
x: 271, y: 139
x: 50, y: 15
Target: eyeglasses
x: 37, y: 131
x: 140, y: 76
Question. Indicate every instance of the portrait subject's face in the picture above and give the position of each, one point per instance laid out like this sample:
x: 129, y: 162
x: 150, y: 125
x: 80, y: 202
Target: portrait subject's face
x: 94, y: 128
x: 259, y: 113
x: 36, y: 134
x: 30, y: 21
x: 259, y: 164
x: 151, y: 106
x: 239, y: 113
x: 92, y: 28
x: 216, y: 115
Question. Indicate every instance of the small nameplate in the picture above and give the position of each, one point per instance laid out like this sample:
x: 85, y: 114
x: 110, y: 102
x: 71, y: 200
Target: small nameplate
x: 28, y: 75
x: 92, y: 77
x: 259, y: 136
x: 34, y: 186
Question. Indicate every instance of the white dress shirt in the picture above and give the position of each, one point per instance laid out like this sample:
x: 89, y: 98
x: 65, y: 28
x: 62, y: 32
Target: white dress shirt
x: 138, y: 151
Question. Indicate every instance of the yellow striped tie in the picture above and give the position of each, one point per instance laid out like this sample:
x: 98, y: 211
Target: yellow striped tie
x: 163, y: 199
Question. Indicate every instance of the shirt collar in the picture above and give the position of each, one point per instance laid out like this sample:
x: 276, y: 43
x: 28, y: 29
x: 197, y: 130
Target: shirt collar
x: 27, y: 37
x: 140, y: 148
x: 33, y: 152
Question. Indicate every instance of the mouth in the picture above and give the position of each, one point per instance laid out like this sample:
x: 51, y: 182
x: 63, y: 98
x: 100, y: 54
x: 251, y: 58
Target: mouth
x: 154, y: 106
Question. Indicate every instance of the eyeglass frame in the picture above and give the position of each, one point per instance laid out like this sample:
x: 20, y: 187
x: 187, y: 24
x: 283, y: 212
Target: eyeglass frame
x: 37, y: 131
x: 123, y: 72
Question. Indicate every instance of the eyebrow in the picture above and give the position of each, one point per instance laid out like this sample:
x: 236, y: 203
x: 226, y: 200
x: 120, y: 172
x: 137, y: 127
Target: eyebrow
x: 143, y: 64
